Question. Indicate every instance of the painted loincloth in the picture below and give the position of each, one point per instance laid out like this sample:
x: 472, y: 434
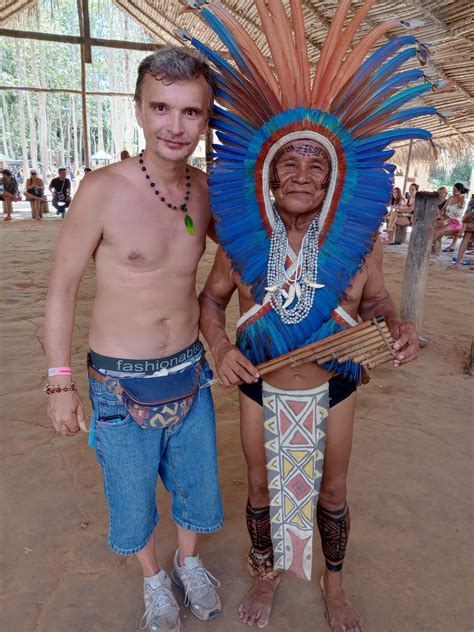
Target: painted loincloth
x: 295, y: 438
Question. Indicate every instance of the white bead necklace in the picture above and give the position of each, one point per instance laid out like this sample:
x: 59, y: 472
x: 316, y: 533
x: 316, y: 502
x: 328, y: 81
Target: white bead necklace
x: 292, y: 296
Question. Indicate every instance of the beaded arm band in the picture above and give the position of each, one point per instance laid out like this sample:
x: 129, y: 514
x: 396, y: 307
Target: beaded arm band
x: 59, y: 388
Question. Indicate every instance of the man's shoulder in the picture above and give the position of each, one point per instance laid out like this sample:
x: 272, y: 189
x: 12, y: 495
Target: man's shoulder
x: 200, y: 177
x: 122, y: 169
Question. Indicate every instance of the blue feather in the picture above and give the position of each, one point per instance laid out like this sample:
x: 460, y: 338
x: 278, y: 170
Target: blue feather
x: 226, y: 38
x: 391, y: 104
x: 371, y: 68
x: 385, y: 89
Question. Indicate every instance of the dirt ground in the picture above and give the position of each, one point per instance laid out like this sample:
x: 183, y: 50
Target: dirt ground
x: 409, y: 565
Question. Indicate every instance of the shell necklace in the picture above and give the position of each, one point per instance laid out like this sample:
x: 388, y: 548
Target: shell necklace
x: 188, y: 222
x: 302, y: 283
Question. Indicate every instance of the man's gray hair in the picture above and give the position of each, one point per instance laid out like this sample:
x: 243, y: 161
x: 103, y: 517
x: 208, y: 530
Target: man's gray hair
x: 176, y: 63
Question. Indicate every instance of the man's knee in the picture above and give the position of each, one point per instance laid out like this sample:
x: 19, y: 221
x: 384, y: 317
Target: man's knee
x: 333, y: 493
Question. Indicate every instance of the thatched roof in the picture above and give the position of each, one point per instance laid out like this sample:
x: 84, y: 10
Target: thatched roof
x: 11, y: 8
x: 448, y: 30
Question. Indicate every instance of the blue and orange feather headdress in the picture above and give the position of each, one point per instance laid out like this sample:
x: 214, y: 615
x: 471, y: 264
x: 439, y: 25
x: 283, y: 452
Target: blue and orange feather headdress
x: 353, y: 103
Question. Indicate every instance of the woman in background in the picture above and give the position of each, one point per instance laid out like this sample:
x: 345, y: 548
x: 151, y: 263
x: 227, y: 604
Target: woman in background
x: 402, y: 214
x: 35, y: 194
x: 452, y: 224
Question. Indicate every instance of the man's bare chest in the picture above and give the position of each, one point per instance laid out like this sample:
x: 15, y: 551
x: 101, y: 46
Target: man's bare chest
x: 145, y: 239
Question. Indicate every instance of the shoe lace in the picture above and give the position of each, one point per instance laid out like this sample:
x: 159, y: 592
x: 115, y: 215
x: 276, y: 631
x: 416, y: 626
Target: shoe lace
x: 160, y: 598
x: 198, y: 578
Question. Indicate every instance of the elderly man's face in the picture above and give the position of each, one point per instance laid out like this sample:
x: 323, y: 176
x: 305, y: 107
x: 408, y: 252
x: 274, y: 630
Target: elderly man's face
x: 299, y: 176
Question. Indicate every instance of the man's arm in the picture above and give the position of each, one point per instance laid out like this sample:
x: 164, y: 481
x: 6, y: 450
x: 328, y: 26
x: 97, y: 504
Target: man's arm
x: 376, y: 301
x: 80, y: 233
x: 232, y: 366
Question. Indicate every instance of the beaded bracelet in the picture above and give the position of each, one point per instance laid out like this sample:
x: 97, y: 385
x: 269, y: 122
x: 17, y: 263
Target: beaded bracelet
x: 59, y: 388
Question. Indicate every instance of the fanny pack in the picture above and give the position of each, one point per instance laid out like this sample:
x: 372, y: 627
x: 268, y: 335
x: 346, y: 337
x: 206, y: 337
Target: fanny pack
x: 156, y: 402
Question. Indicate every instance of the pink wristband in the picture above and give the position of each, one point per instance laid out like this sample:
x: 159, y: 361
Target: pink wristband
x: 59, y: 370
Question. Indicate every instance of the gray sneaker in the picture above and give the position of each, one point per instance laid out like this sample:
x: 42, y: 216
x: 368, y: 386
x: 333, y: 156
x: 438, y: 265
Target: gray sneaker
x: 161, y: 609
x: 199, y: 587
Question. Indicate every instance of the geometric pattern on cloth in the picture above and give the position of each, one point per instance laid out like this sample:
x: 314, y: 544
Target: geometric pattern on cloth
x: 162, y: 416
x: 295, y: 438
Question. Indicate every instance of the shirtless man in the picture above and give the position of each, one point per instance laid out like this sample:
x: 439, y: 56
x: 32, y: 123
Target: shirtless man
x: 129, y: 217
x: 299, y: 196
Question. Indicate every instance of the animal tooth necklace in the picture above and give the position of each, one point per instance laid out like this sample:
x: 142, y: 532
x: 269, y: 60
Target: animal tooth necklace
x: 294, y: 303
x: 188, y: 222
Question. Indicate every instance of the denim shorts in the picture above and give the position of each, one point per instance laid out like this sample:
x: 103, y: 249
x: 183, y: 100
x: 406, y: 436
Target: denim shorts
x: 184, y: 455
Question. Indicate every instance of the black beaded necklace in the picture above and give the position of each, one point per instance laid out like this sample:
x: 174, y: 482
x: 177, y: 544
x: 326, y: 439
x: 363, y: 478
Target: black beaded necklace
x: 188, y: 222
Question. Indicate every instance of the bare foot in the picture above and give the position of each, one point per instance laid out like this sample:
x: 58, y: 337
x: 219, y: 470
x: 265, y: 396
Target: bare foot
x: 256, y: 607
x: 454, y: 266
x: 343, y: 617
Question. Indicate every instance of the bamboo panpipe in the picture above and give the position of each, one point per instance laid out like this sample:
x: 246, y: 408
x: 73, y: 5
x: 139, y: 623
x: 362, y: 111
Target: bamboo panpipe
x: 368, y: 343
x: 372, y: 362
x: 321, y: 349
x: 362, y: 343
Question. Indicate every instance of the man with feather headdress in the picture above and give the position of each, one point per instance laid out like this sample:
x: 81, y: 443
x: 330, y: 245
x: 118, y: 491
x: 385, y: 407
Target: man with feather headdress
x: 299, y: 186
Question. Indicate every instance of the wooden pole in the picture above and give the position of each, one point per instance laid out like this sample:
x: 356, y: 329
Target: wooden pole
x: 97, y: 93
x: 86, y: 32
x: 74, y: 39
x: 407, y: 169
x: 209, y: 141
x: 85, y: 131
x: 85, y: 134
x: 418, y: 257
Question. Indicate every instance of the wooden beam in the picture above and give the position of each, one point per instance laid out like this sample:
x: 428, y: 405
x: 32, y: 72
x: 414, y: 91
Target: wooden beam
x: 85, y: 134
x: 76, y: 39
x: 418, y: 258
x: 85, y: 129
x: 407, y: 168
x: 130, y: 6
x: 89, y: 93
x: 86, y: 31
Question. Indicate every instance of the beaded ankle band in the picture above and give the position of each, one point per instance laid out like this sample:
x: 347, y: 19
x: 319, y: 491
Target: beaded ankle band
x: 260, y: 565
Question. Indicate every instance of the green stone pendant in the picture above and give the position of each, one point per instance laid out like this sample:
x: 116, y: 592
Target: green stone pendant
x: 188, y: 222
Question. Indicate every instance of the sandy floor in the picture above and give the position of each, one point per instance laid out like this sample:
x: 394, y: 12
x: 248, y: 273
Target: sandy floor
x: 410, y: 557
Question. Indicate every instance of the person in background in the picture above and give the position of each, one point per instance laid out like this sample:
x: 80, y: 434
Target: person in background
x: 441, y: 216
x: 10, y: 193
x: 86, y: 171
x: 452, y: 224
x: 124, y: 154
x: 34, y: 193
x: 468, y: 221
x: 60, y: 187
x: 402, y: 214
x: 443, y: 198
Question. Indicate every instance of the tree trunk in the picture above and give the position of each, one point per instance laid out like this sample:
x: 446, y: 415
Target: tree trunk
x: 68, y: 138
x: 77, y: 160
x: 7, y: 127
x: 43, y: 121
x: 81, y: 153
x: 21, y: 103
x: 64, y: 158
x: 3, y: 132
x: 100, y: 125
